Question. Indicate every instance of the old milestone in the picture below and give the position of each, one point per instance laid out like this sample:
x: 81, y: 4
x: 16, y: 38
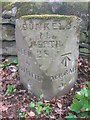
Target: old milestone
x: 47, y: 47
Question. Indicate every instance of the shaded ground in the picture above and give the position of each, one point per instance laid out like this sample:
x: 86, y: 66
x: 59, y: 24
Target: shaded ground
x: 12, y: 105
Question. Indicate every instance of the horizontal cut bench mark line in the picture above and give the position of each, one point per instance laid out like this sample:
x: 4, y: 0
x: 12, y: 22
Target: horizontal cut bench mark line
x: 66, y: 54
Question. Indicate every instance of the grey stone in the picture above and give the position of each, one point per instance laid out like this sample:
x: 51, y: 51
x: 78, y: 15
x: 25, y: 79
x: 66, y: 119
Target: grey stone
x: 8, y: 32
x: 7, y: 40
x: 8, y: 47
x: 10, y: 13
x: 48, y: 53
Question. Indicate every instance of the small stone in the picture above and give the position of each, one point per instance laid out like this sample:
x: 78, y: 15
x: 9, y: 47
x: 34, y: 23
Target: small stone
x: 12, y: 68
x: 71, y: 89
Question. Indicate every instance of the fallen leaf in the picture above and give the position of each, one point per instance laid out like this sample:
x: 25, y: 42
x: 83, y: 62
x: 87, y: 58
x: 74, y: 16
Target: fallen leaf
x: 23, y: 110
x: 3, y: 107
x: 31, y: 114
x: 57, y: 110
x: 59, y: 105
x: 52, y: 117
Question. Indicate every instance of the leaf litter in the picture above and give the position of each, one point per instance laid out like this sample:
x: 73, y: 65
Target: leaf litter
x: 15, y: 105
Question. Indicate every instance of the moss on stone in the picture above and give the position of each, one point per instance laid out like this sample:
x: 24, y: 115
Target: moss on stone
x: 48, y: 16
x: 7, y: 6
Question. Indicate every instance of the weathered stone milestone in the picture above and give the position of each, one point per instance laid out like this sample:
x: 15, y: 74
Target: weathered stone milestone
x: 48, y: 51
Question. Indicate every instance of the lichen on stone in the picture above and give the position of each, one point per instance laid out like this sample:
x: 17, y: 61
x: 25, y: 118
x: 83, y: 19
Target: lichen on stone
x: 7, y: 6
x: 47, y: 16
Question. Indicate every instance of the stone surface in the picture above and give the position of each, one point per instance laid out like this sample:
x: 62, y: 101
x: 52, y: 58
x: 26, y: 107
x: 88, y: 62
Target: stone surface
x: 7, y: 38
x: 10, y: 13
x: 8, y: 32
x: 48, y: 53
x: 8, y: 47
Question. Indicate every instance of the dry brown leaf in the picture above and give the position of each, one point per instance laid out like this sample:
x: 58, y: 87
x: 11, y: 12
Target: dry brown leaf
x: 31, y: 114
x: 3, y: 107
x: 59, y: 105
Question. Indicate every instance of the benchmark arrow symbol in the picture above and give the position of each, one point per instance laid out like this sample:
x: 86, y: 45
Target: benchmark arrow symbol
x: 65, y: 61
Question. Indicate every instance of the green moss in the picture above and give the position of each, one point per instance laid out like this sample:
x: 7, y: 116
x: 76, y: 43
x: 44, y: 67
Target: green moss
x: 10, y: 30
x: 7, y: 5
x: 47, y: 16
x: 85, y: 50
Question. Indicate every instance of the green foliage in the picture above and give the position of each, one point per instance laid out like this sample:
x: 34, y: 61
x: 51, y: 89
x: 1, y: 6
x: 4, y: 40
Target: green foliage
x: 84, y: 114
x: 76, y: 106
x: 71, y: 116
x: 5, y: 64
x: 10, y: 89
x: 22, y: 114
x: 40, y: 106
x: 81, y: 102
x: 15, y: 61
x: 32, y: 104
x: 41, y: 96
x: 47, y: 108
